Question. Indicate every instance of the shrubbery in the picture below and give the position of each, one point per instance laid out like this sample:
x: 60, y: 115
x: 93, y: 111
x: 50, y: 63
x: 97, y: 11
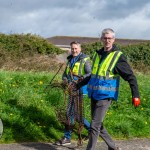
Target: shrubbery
x: 138, y: 53
x: 89, y: 48
x: 15, y: 46
x: 23, y: 45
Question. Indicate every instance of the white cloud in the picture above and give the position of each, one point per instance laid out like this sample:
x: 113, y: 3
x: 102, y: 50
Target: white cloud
x: 130, y: 19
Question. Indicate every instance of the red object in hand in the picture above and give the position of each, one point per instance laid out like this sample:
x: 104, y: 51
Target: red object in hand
x: 136, y: 102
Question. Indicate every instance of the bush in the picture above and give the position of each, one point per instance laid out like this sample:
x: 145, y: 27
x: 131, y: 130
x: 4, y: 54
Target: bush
x: 90, y: 48
x: 138, y: 54
x: 18, y: 46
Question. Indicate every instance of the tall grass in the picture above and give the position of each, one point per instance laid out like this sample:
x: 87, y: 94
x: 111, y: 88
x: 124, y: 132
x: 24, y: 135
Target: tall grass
x: 28, y: 109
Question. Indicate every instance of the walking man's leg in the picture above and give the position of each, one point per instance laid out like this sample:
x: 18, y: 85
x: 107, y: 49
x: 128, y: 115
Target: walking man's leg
x: 106, y: 137
x: 99, y: 109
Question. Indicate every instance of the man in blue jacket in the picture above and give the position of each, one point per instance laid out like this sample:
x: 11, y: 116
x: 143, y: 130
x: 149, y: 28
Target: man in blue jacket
x: 78, y: 64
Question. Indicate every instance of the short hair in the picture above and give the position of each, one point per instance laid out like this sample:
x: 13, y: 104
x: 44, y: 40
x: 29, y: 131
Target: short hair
x: 75, y: 42
x: 108, y: 30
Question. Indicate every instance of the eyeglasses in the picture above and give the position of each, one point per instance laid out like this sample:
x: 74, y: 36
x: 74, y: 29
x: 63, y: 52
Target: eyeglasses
x: 108, y: 38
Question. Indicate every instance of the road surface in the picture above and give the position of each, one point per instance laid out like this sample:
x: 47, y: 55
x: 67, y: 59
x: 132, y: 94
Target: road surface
x: 136, y: 144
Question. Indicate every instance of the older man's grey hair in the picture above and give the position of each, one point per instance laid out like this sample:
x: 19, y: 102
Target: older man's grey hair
x: 107, y: 31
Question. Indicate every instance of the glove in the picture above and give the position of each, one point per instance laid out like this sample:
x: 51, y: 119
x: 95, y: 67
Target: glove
x: 136, y: 102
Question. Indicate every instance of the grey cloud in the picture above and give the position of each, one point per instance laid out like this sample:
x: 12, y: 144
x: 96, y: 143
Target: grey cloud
x: 64, y: 10
x: 67, y: 17
x: 31, y: 5
x: 119, y: 9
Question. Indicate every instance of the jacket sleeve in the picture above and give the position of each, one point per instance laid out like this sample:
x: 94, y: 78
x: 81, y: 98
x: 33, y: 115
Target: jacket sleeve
x: 124, y: 70
x: 87, y: 68
x: 87, y: 76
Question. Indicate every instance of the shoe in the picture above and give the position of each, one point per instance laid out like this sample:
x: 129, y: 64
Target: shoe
x: 63, y: 141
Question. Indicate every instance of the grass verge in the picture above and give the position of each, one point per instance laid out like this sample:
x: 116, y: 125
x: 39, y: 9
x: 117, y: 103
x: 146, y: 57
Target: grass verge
x: 28, y: 109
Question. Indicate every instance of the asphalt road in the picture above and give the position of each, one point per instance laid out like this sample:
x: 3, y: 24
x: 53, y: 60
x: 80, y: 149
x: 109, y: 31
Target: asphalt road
x: 136, y: 144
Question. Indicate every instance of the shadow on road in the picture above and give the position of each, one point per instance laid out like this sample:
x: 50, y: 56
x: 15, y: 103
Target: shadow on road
x: 39, y: 146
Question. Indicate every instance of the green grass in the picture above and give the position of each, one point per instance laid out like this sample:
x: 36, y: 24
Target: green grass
x: 123, y: 120
x: 28, y: 109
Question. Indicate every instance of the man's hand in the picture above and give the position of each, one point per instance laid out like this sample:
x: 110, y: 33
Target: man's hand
x: 136, y: 102
x: 72, y: 86
x: 64, y: 83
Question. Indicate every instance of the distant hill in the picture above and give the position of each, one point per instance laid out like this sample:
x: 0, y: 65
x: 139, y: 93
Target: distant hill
x: 64, y: 41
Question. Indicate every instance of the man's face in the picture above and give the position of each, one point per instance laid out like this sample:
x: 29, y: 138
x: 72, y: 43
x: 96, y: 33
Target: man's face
x: 75, y: 50
x: 108, y: 41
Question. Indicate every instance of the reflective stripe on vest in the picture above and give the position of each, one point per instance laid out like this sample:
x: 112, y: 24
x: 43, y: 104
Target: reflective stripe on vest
x: 104, y: 78
x: 103, y: 88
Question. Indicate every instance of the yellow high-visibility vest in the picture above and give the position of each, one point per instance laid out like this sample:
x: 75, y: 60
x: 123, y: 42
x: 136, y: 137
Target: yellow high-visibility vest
x: 105, y: 68
x: 78, y: 68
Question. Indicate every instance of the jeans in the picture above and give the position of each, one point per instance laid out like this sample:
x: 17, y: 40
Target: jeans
x: 67, y: 133
x: 71, y: 113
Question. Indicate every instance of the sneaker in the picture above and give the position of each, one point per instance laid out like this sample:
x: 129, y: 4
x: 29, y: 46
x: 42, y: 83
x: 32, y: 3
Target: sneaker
x: 63, y: 141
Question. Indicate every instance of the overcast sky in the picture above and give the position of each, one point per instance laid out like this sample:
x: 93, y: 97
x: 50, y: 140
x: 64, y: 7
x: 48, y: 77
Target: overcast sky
x: 130, y: 19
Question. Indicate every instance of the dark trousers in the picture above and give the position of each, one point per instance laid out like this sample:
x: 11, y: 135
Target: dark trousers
x: 98, y: 110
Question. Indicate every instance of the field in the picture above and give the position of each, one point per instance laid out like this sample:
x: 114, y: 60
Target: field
x: 28, y: 109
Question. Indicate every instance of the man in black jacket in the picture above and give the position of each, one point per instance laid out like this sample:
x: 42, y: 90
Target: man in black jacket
x: 103, y: 85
